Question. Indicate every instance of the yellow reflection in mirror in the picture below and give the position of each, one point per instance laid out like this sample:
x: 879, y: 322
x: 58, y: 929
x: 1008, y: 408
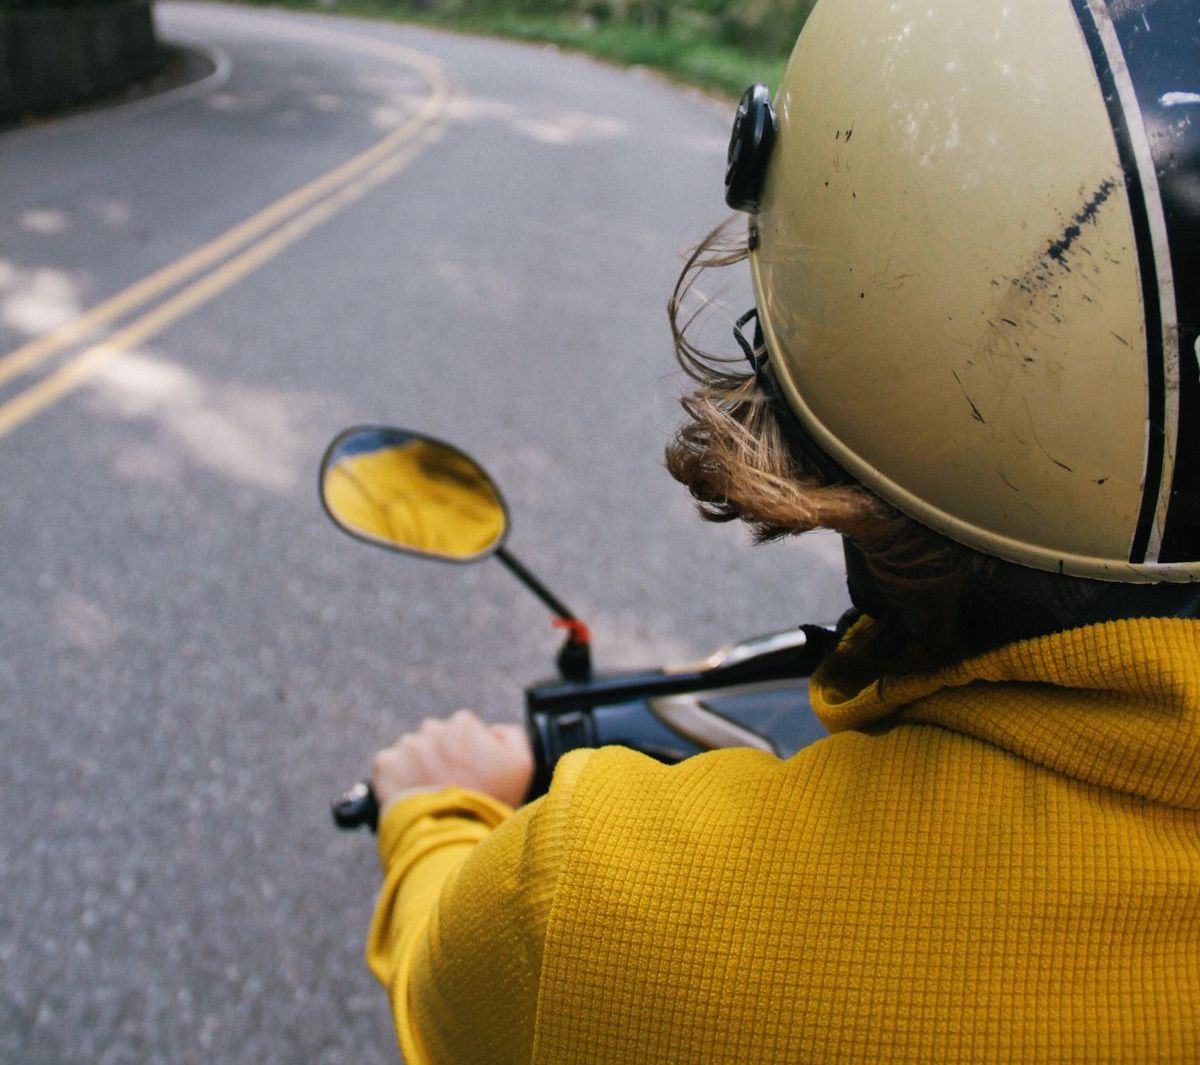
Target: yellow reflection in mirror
x: 413, y: 493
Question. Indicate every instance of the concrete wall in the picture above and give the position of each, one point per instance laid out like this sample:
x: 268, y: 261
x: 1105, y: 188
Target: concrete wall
x: 52, y: 57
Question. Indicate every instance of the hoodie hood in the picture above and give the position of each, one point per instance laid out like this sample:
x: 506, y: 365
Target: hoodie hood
x: 1116, y: 704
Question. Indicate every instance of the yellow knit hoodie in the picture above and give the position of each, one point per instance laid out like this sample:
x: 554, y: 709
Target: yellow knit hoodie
x: 999, y: 862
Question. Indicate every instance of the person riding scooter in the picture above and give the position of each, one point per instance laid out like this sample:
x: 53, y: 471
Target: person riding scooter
x: 973, y: 241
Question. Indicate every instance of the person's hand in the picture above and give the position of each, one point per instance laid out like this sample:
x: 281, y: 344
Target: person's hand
x: 460, y: 751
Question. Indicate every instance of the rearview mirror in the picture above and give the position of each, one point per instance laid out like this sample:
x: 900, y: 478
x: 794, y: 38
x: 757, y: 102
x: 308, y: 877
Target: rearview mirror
x: 409, y: 492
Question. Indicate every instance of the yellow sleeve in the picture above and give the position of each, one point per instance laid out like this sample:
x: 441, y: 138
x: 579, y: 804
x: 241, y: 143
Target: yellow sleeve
x: 461, y: 919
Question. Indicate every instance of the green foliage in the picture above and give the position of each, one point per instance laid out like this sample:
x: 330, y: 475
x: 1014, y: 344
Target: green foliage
x: 720, y: 45
x: 53, y: 5
x: 768, y: 27
x: 698, y: 59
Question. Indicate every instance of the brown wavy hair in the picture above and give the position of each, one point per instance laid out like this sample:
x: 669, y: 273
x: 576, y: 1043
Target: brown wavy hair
x: 935, y: 601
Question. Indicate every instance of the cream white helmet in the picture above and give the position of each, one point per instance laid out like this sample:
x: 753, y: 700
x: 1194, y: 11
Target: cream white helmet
x: 975, y: 243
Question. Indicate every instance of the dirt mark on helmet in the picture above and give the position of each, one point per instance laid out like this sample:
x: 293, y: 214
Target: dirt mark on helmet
x: 1055, y: 258
x: 970, y: 402
x: 1058, y: 249
x: 1034, y: 305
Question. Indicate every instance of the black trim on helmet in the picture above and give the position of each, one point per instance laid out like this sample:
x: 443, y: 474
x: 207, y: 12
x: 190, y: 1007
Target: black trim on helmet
x: 1148, y: 271
x: 1161, y: 45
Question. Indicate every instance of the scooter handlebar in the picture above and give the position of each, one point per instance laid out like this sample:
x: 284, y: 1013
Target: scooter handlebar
x: 754, y: 694
x: 357, y: 807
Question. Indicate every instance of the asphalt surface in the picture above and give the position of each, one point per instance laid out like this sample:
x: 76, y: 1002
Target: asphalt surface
x: 192, y: 660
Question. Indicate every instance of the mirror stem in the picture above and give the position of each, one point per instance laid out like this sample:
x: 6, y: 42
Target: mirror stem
x: 575, y: 657
x: 519, y: 571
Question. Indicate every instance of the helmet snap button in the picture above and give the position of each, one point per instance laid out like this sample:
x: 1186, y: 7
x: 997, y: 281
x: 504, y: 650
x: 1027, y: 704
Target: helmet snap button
x: 749, y: 149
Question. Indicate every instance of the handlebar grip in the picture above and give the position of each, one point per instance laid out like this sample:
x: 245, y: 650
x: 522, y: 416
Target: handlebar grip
x: 356, y: 807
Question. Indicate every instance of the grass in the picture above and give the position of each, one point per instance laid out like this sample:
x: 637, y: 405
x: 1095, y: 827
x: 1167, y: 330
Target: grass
x: 687, y: 57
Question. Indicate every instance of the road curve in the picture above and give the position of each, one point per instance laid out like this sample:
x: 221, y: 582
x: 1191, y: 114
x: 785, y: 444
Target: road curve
x: 191, y: 658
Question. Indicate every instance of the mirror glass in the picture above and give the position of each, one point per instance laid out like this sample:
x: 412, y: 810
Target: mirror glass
x: 406, y: 491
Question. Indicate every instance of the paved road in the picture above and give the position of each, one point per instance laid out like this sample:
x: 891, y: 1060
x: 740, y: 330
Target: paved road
x: 191, y: 658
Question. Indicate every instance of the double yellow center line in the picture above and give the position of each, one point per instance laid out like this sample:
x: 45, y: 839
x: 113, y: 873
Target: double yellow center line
x: 227, y: 259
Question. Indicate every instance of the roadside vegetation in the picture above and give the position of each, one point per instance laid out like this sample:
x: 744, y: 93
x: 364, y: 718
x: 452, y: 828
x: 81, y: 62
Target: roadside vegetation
x: 717, y: 45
